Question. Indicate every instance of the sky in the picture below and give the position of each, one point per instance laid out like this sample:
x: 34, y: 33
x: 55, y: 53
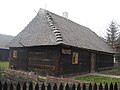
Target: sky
x: 94, y: 14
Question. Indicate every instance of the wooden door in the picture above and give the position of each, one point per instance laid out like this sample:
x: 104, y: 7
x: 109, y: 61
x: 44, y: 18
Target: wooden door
x: 93, y: 62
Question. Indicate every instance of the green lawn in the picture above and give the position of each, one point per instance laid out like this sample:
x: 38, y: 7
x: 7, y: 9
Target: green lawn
x: 4, y: 65
x: 97, y: 79
x: 115, y: 71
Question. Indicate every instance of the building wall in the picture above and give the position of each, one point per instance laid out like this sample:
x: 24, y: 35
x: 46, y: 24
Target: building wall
x: 82, y: 64
x: 104, y: 61
x: 55, y: 60
x: 4, y: 54
x: 88, y: 61
x: 38, y: 59
x: 117, y: 58
x: 44, y: 59
x: 19, y: 58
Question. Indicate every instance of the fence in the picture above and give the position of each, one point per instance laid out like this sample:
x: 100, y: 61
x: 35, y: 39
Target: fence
x: 31, y: 86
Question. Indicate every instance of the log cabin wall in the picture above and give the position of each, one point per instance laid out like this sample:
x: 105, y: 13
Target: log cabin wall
x: 84, y: 60
x: 81, y: 64
x: 4, y: 54
x: 104, y: 61
x: 44, y: 59
x: 19, y: 58
x: 84, y: 63
x: 55, y: 60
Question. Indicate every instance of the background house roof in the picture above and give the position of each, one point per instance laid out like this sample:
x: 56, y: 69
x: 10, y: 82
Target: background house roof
x: 48, y: 28
x: 4, y: 40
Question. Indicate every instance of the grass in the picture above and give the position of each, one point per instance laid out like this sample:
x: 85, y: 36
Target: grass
x: 98, y: 79
x: 4, y: 65
x: 115, y: 71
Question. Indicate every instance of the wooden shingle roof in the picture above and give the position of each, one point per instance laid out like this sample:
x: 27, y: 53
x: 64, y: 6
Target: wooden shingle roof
x: 48, y: 28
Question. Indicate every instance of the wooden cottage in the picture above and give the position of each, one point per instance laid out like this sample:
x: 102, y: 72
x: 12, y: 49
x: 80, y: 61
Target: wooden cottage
x: 52, y: 44
x: 4, y: 51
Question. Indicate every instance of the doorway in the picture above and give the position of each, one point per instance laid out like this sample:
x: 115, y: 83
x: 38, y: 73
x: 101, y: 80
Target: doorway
x: 93, y: 62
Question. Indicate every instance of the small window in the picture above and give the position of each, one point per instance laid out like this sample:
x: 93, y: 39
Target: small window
x: 75, y: 58
x: 14, y: 54
x: 66, y: 51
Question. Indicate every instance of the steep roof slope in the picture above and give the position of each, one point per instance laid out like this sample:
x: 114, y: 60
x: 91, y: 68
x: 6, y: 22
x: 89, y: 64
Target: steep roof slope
x: 48, y: 28
x: 4, y: 40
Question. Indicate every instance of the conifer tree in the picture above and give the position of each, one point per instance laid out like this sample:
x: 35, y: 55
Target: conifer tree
x: 112, y: 34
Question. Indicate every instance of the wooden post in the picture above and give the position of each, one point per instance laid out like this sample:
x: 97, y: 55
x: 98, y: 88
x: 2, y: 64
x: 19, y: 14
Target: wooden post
x: 49, y: 87
x: 115, y: 86
x: 90, y: 86
x: 111, y: 86
x: 11, y: 87
x: 5, y: 86
x: 43, y: 87
x: 84, y: 87
x: 67, y: 87
x: 18, y: 86
x: 100, y: 86
x: 79, y: 87
x: 24, y: 86
x: 95, y: 86
x: 61, y: 87
x: 30, y: 86
x: 0, y: 85
x: 106, y: 86
x: 73, y: 87
x: 55, y: 87
x: 37, y: 86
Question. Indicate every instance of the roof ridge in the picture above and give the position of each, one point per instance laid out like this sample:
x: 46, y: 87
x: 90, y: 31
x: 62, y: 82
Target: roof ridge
x: 56, y: 31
